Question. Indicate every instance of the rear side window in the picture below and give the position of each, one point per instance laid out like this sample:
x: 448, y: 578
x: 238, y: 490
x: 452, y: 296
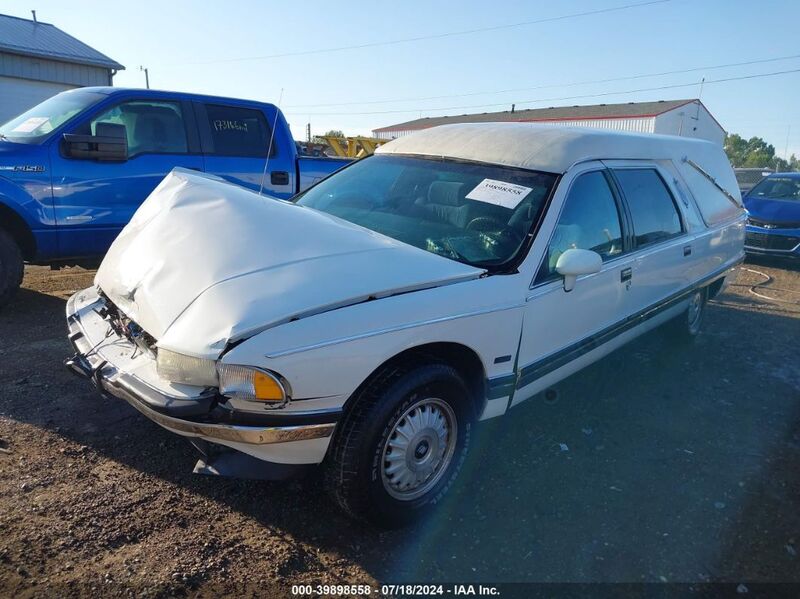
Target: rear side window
x: 653, y: 210
x: 714, y: 206
x: 237, y: 131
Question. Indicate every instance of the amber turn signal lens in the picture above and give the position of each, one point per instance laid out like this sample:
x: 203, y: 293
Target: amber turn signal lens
x: 251, y: 384
x: 266, y: 387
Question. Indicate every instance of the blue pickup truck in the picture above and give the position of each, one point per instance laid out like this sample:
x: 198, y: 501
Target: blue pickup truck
x: 75, y: 168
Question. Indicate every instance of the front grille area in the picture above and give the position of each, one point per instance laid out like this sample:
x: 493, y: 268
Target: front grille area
x: 757, y: 222
x: 764, y: 241
x: 123, y: 326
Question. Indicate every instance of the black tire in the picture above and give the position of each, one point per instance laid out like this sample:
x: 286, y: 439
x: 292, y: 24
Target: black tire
x: 686, y: 327
x: 355, y: 474
x: 11, y: 267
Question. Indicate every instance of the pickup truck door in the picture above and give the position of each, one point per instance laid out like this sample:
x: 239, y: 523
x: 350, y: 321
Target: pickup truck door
x: 235, y: 140
x: 93, y: 200
x: 560, y: 328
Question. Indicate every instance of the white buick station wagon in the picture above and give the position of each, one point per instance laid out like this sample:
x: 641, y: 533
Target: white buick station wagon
x: 370, y: 323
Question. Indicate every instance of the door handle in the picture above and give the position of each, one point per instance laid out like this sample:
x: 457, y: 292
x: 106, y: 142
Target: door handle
x: 687, y: 250
x: 625, y: 274
x: 279, y: 178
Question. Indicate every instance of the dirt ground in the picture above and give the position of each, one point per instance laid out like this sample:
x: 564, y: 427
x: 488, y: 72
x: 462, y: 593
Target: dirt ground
x: 656, y: 464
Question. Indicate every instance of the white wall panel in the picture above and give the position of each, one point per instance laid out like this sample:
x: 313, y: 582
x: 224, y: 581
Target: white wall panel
x: 17, y: 95
x: 638, y: 125
x: 691, y: 120
x: 54, y: 71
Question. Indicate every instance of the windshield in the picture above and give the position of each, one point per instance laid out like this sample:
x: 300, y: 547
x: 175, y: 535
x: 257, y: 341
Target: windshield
x: 473, y: 213
x: 777, y: 188
x: 38, y: 122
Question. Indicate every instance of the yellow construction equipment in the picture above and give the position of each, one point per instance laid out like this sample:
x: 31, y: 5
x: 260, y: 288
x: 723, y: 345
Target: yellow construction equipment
x: 353, y: 147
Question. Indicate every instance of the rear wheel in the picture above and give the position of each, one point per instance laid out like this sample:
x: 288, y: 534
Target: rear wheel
x: 688, y: 325
x: 401, y: 444
x: 11, y: 267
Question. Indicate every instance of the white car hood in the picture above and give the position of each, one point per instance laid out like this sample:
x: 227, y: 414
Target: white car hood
x: 204, y: 262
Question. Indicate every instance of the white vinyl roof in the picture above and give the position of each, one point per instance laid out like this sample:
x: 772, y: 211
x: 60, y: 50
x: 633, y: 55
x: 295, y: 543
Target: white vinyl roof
x: 550, y: 148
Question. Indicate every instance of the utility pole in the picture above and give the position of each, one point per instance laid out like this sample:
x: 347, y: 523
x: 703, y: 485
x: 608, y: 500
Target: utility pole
x: 786, y: 147
x: 146, y: 76
x: 308, y: 132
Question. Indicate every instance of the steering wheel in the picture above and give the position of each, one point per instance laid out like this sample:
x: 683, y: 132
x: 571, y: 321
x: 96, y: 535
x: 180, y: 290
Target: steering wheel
x: 495, y: 227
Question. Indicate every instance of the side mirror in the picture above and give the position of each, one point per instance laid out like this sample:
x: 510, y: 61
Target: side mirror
x: 110, y: 144
x: 574, y: 262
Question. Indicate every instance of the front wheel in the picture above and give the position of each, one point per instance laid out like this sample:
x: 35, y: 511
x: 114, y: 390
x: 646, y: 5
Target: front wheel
x: 401, y: 444
x: 11, y: 267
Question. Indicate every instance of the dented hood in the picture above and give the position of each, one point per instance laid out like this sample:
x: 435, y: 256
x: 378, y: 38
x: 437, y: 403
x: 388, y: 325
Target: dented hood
x: 204, y: 262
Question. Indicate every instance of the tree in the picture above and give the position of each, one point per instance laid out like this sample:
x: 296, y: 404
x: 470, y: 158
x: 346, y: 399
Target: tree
x: 756, y: 153
x: 736, y: 148
x: 332, y: 133
x: 786, y: 166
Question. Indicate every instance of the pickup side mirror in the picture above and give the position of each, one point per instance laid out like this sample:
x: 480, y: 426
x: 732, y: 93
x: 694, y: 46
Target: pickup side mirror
x: 574, y: 262
x: 110, y: 144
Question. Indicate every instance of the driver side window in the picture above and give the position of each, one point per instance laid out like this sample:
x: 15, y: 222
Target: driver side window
x: 589, y: 221
x: 151, y: 126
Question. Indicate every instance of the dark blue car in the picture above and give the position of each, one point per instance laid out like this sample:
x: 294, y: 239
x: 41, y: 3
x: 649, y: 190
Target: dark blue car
x: 773, y: 221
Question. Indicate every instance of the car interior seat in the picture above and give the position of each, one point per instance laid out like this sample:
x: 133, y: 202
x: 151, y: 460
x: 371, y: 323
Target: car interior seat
x: 158, y: 130
x: 445, y: 201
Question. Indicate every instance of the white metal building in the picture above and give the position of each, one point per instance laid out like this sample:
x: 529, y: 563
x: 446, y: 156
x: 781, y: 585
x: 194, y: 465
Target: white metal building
x: 687, y: 118
x: 38, y: 60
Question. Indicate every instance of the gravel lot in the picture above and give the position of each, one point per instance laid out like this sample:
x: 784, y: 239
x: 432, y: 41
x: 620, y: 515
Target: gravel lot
x: 656, y: 464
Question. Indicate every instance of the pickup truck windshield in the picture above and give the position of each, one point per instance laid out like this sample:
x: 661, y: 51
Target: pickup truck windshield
x: 35, y: 124
x: 474, y: 213
x: 777, y: 188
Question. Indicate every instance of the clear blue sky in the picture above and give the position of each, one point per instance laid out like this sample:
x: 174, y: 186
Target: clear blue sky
x: 188, y: 46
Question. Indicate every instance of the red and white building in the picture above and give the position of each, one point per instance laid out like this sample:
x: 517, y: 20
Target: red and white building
x: 687, y: 118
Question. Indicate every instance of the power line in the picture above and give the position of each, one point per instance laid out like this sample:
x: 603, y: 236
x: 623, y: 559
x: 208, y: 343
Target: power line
x: 613, y: 93
x: 553, y: 85
x: 437, y: 35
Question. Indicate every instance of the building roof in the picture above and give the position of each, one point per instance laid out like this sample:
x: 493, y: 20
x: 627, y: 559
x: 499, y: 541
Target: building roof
x: 554, y: 113
x: 546, y: 148
x: 43, y: 40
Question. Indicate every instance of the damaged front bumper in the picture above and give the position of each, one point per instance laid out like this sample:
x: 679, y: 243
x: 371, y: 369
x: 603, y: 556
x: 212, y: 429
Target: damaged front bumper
x: 121, y: 369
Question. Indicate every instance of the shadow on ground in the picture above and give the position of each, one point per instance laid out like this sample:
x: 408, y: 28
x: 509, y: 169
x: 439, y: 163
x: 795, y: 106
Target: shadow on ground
x: 657, y: 463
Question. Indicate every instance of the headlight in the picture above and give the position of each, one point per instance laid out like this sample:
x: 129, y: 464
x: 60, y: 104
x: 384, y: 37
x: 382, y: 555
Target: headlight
x: 252, y: 384
x: 179, y: 368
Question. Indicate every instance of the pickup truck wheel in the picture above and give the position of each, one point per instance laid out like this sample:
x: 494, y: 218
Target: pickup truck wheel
x: 401, y: 444
x: 11, y: 267
x: 687, y: 326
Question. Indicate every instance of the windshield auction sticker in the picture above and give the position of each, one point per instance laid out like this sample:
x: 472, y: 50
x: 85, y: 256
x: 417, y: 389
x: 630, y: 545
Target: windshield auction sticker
x: 499, y: 193
x: 31, y: 124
